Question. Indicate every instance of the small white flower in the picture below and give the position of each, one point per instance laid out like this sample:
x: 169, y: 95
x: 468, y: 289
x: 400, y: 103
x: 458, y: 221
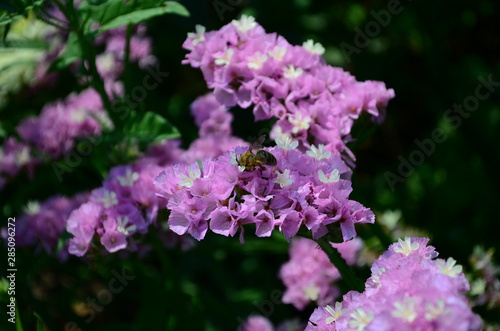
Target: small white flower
x: 405, y: 309
x: 335, y: 313
x: 123, y: 226
x: 78, y: 115
x: 224, y: 58
x: 286, y: 143
x: 284, y: 179
x: 360, y: 319
x: 315, y: 48
x: 256, y: 61
x: 32, y: 208
x: 199, y: 36
x: 108, y: 198
x: 311, y: 291
x: 23, y: 157
x: 332, y: 178
x: 434, y: 311
x: 291, y: 72
x: 278, y: 52
x: 299, y: 122
x: 319, y: 152
x: 129, y: 178
x: 246, y: 23
x: 193, y: 173
x: 406, y: 247
x: 449, y: 268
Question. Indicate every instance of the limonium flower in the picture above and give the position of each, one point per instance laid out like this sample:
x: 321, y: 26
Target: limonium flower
x: 124, y: 205
x: 60, y: 123
x: 260, y: 323
x: 309, y: 275
x: 409, y: 290
x: 222, y: 198
x: 42, y: 223
x: 16, y: 156
x: 314, y: 103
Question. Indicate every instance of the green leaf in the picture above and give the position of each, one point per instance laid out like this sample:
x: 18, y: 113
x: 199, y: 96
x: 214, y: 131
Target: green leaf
x: 169, y: 7
x: 72, y: 52
x: 40, y: 322
x: 19, y: 325
x: 151, y: 127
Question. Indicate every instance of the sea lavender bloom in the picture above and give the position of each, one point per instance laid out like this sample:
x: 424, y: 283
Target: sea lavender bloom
x: 15, y: 156
x: 256, y: 323
x: 309, y: 274
x: 313, y: 102
x: 62, y: 122
x: 260, y: 323
x: 409, y: 290
x: 43, y: 223
x: 231, y: 197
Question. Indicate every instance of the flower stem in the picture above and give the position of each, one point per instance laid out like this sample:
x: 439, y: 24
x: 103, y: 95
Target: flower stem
x: 345, y: 271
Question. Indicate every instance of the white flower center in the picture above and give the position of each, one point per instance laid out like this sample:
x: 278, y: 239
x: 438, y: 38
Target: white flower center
x: 246, y: 23
x: 299, y: 122
x: 406, y: 247
x: 129, y: 178
x: 315, y: 48
x: 199, y: 36
x: 223, y: 59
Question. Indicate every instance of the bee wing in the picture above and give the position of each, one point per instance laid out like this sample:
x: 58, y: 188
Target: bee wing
x: 258, y: 143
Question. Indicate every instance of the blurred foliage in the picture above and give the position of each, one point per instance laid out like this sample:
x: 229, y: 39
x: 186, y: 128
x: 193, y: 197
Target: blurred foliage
x: 430, y: 54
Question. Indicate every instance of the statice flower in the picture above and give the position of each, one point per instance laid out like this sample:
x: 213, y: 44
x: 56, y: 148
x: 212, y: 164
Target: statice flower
x: 309, y: 274
x: 16, y: 156
x: 220, y: 195
x: 125, y: 205
x: 314, y: 103
x: 260, y: 323
x: 409, y: 289
x: 60, y: 123
x: 43, y: 223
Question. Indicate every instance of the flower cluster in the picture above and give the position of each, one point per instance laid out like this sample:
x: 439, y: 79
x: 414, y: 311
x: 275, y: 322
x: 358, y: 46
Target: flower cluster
x: 124, y: 205
x: 260, y: 323
x: 309, y: 189
x: 408, y: 290
x: 43, y: 223
x: 309, y: 275
x: 15, y: 156
x: 60, y: 123
x: 314, y: 103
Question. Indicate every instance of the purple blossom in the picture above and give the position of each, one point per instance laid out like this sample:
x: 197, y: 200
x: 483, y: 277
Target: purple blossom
x: 313, y: 102
x: 285, y: 197
x: 409, y: 290
x: 309, y: 274
x: 62, y: 122
x: 43, y: 223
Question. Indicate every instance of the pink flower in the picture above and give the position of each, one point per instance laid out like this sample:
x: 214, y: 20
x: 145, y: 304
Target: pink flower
x: 408, y: 290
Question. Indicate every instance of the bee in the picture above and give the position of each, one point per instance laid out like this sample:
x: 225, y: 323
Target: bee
x: 250, y: 161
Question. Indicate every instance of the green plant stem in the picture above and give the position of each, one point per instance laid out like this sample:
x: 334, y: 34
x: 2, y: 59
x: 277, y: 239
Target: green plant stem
x: 126, y: 70
x: 87, y: 47
x: 345, y: 271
